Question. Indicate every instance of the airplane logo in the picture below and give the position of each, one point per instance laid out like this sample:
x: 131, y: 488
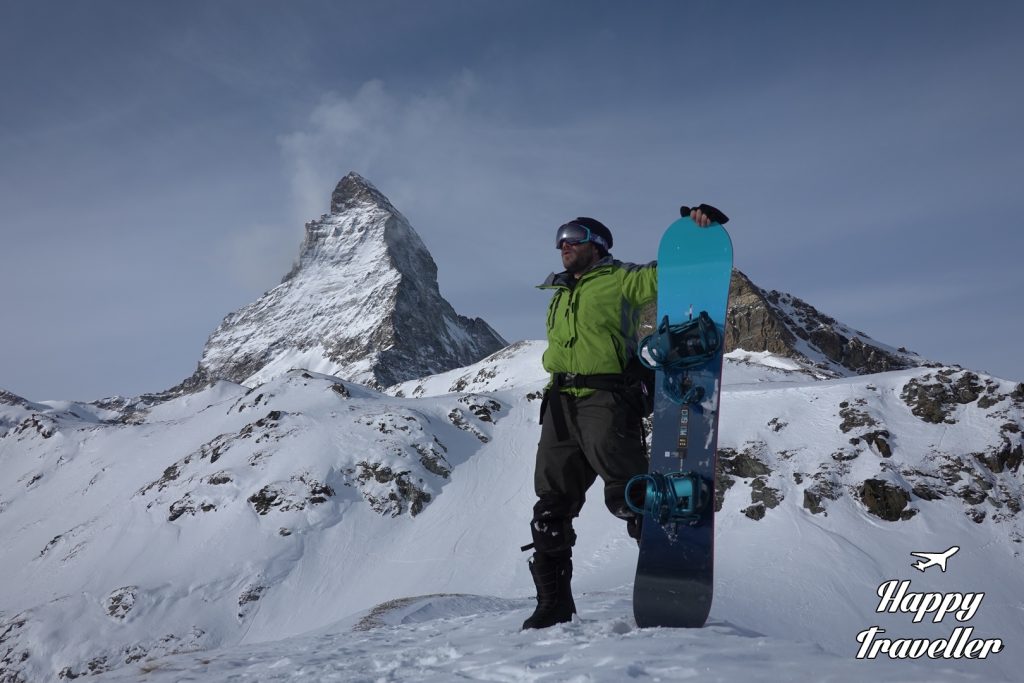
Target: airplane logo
x: 936, y: 559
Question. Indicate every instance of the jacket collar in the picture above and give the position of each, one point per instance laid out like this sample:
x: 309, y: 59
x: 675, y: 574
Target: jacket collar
x: 565, y: 278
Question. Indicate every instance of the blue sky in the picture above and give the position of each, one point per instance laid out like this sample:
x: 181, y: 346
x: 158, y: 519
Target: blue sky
x: 160, y: 159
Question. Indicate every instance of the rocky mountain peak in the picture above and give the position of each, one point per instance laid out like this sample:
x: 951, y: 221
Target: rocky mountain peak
x: 355, y: 190
x: 785, y: 325
x: 363, y: 227
x: 361, y: 303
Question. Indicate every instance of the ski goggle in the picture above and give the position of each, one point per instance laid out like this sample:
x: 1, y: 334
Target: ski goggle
x: 574, y: 233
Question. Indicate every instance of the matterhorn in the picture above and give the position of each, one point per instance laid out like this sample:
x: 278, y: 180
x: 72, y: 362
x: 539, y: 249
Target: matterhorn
x: 361, y: 303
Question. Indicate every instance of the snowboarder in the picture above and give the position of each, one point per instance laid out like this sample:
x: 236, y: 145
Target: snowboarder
x: 592, y: 409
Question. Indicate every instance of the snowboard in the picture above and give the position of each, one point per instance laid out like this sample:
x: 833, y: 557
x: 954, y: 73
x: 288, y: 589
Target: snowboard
x: 674, y: 576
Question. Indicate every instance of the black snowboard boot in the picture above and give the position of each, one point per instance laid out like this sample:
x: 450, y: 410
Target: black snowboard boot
x: 553, y: 577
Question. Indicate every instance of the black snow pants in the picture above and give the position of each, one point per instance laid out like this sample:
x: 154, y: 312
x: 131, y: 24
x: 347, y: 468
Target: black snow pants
x: 604, y: 440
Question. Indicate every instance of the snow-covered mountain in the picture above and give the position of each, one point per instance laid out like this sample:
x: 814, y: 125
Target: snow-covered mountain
x: 361, y: 303
x: 235, y: 516
x: 294, y: 524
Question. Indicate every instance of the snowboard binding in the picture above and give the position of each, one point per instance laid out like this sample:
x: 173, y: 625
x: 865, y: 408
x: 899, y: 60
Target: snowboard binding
x: 671, y: 497
x: 675, y: 349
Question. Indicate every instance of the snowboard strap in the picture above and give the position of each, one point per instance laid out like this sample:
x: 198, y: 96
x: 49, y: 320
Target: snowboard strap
x: 675, y: 349
x: 672, y: 496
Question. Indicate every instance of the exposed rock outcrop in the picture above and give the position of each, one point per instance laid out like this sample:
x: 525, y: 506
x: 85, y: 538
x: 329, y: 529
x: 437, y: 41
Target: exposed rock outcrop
x: 787, y: 326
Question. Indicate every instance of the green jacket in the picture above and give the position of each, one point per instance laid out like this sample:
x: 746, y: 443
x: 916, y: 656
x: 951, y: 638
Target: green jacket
x: 592, y: 321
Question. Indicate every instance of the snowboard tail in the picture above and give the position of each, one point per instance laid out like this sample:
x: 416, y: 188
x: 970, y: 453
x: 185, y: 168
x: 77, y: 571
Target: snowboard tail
x: 675, y: 569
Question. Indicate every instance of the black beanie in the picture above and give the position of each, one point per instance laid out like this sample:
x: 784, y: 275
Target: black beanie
x: 598, y: 228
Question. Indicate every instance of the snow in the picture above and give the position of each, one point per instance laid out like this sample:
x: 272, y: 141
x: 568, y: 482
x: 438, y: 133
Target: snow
x: 353, y: 586
x: 762, y: 360
x: 518, y: 365
x: 315, y: 359
x: 476, y: 638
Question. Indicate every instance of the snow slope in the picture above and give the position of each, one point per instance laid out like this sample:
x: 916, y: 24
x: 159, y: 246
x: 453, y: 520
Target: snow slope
x: 249, y: 534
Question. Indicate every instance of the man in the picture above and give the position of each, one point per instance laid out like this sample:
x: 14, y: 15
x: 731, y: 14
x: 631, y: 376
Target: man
x: 592, y: 411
